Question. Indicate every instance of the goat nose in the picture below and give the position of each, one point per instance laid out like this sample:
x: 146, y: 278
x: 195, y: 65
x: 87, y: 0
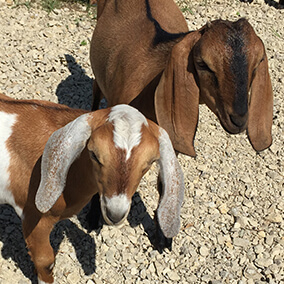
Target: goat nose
x: 115, y: 216
x: 238, y: 120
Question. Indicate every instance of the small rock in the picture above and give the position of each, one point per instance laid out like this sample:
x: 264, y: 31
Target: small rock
x: 259, y: 249
x: 223, y: 208
x: 263, y: 262
x: 74, y: 277
x: 251, y: 272
x: 151, y: 268
x: 173, y: 275
x: 240, y: 242
x: 133, y: 271
x: 110, y: 256
x: 269, y: 240
x: 245, y: 179
x: 274, y: 217
x: 143, y: 273
x: 204, y: 251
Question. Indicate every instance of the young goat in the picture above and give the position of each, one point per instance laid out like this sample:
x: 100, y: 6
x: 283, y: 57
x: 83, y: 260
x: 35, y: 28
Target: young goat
x: 143, y: 55
x: 54, y: 159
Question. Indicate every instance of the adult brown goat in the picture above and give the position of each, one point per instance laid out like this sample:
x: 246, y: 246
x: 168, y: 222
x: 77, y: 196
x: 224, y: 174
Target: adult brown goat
x: 143, y: 55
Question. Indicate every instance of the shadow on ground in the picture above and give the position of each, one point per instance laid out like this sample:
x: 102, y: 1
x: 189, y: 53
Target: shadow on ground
x: 76, y: 90
x: 272, y: 3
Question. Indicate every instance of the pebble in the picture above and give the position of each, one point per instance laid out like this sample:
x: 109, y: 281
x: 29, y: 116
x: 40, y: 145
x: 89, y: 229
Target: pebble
x: 173, y: 275
x: 240, y: 242
x: 274, y: 217
x: 263, y: 262
x: 223, y: 208
x: 204, y: 251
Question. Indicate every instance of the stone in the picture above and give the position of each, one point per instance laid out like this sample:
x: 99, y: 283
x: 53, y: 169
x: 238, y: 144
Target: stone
x: 223, y: 208
x: 274, y: 217
x: 204, y: 251
x: 263, y: 262
x: 251, y: 272
x: 241, y: 242
x: 173, y: 275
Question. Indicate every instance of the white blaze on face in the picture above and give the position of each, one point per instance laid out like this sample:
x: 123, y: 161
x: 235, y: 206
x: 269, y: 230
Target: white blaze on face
x: 7, y: 120
x: 127, y: 122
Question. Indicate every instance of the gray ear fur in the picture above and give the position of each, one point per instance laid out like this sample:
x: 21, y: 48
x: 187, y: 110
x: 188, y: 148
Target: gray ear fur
x: 60, y: 151
x: 168, y: 212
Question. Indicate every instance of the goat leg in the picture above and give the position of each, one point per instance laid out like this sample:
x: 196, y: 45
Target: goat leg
x: 40, y: 250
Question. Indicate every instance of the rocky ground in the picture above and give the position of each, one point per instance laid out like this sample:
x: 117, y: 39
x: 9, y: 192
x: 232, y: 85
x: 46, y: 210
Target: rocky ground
x: 232, y: 216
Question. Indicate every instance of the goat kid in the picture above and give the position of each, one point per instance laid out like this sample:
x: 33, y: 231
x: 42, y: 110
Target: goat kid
x: 54, y: 159
x: 165, y: 72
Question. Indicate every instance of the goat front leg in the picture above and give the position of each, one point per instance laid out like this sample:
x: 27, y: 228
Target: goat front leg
x: 40, y: 250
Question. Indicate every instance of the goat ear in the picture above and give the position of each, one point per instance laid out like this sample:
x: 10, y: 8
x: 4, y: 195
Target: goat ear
x: 168, y: 212
x: 177, y: 96
x: 61, y: 149
x: 261, y: 108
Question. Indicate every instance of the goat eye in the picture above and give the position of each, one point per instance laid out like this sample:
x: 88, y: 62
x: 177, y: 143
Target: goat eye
x: 203, y: 66
x: 95, y: 158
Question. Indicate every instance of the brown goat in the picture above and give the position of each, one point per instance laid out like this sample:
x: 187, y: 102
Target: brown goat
x: 141, y: 54
x: 54, y: 159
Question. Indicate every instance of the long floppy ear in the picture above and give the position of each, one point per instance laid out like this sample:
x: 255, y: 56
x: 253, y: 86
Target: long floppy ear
x: 177, y: 96
x: 60, y: 151
x: 261, y: 108
x: 168, y: 212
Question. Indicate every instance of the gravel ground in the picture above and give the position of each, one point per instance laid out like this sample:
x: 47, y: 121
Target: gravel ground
x: 232, y: 216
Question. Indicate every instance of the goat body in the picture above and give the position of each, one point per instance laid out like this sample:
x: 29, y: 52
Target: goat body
x: 54, y: 159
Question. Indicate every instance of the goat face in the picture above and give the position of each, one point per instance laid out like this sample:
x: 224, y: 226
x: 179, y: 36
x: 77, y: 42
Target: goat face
x: 223, y: 65
x: 122, y: 145
x: 118, y: 169
x: 226, y: 58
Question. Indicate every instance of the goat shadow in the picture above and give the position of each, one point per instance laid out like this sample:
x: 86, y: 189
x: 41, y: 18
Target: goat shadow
x: 271, y: 3
x: 14, y: 246
x: 76, y: 91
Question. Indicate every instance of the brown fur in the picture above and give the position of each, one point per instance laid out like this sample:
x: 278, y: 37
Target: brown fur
x: 167, y: 81
x: 122, y: 53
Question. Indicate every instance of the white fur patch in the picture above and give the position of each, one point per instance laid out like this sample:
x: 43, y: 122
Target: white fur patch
x: 118, y: 203
x: 127, y: 123
x: 7, y: 121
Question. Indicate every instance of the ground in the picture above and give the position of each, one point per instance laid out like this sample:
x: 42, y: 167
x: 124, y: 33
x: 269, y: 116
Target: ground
x: 232, y: 215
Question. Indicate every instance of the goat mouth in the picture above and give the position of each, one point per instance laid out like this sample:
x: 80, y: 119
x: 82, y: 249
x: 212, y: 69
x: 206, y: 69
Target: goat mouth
x: 109, y: 220
x: 231, y: 124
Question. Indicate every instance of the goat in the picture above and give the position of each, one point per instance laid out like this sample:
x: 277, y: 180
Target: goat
x: 54, y: 159
x: 142, y: 54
